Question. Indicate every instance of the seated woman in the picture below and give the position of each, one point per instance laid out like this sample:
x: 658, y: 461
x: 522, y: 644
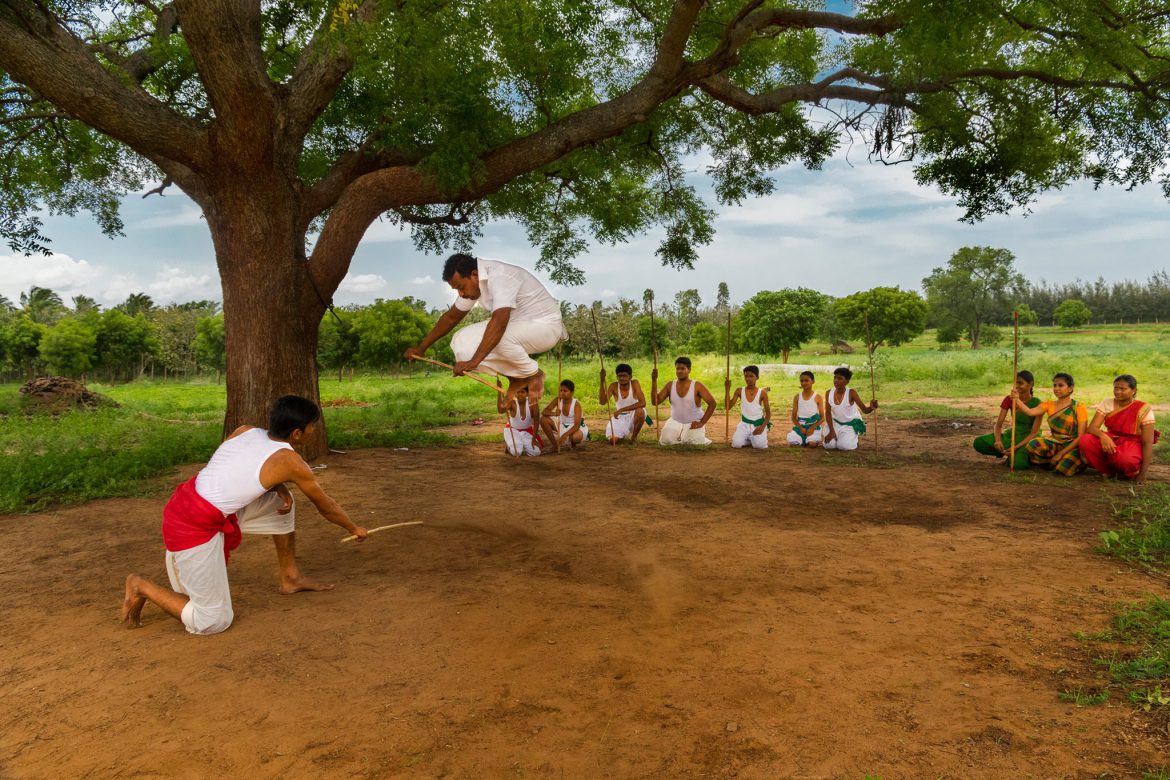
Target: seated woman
x: 1121, y: 437
x: 999, y: 443
x: 1067, y: 420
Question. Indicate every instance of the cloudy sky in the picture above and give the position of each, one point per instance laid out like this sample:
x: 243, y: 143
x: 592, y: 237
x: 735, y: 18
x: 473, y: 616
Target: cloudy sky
x: 848, y: 227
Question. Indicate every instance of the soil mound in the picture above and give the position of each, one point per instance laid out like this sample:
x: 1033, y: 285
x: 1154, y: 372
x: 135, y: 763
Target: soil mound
x: 58, y: 393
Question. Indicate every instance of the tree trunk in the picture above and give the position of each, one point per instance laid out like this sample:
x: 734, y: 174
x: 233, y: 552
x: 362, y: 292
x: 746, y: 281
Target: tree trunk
x: 783, y: 356
x: 271, y: 313
x: 975, y: 335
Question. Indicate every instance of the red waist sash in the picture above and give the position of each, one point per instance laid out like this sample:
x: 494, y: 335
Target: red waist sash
x: 1127, y: 423
x: 190, y: 520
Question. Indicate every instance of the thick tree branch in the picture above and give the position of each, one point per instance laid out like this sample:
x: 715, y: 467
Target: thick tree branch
x: 37, y: 51
x: 322, y: 67
x: 224, y: 39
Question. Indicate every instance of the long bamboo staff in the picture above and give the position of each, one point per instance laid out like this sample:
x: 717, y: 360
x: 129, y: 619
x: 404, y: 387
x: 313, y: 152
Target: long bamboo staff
x: 476, y: 377
x: 1015, y: 373
x: 507, y: 422
x: 727, y: 385
x: 597, y: 335
x: 654, y: 350
x: 869, y: 348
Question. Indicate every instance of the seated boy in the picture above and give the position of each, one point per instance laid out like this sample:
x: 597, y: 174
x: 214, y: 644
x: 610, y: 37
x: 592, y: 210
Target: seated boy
x: 755, y: 412
x: 843, y: 425
x: 520, y: 436
x: 243, y: 483
x: 688, y: 421
x: 562, y: 420
x: 629, y: 405
x: 808, y: 412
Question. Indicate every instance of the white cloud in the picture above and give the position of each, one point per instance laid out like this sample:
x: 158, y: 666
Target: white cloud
x: 608, y: 293
x: 362, y: 284
x: 383, y: 231
x: 428, y: 279
x: 176, y: 285
x: 59, y: 272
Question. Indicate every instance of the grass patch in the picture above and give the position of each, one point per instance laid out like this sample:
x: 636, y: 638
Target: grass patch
x: 1144, y: 536
x: 1084, y: 698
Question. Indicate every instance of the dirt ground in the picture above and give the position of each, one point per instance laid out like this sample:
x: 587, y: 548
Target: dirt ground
x: 603, y: 613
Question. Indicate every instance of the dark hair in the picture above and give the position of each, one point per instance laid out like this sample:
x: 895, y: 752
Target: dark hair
x: 843, y: 371
x: 1129, y: 379
x: 1027, y: 377
x: 459, y: 263
x: 1068, y: 380
x: 623, y: 368
x: 291, y: 412
x: 752, y: 370
x: 809, y: 374
x: 682, y: 361
x: 569, y: 384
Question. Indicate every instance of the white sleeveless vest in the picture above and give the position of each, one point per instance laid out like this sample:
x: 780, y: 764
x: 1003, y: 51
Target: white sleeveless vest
x: 231, y: 479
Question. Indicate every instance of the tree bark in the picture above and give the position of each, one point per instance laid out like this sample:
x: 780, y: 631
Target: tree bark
x: 271, y: 311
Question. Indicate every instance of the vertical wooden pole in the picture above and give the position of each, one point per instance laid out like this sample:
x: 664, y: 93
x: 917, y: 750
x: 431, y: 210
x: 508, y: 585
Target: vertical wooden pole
x: 654, y: 349
x: 1015, y: 373
x: 727, y: 385
x: 597, y: 335
x: 869, y: 348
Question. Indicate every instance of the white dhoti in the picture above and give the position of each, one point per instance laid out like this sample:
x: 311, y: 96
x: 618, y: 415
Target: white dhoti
x: 621, y: 426
x: 201, y: 573
x: 744, y: 436
x: 675, y: 432
x: 813, y: 438
x: 511, y: 357
x: 520, y: 442
x: 260, y: 516
x: 844, y: 438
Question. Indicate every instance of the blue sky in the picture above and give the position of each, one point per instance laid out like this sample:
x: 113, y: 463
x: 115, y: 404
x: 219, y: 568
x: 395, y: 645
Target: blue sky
x: 848, y: 227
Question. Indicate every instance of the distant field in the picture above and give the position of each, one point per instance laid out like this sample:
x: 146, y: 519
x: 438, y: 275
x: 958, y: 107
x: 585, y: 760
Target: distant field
x: 78, y: 456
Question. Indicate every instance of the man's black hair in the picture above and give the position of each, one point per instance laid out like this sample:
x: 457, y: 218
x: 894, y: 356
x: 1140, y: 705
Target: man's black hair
x: 684, y: 361
x: 843, y: 371
x: 569, y: 384
x: 1068, y: 380
x: 459, y: 263
x: 291, y: 412
x: 1027, y: 377
x: 1129, y: 379
x: 623, y: 368
x: 752, y: 370
x: 809, y: 374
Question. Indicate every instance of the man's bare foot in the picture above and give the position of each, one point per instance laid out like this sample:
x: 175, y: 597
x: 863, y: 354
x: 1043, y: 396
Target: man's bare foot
x: 132, y: 603
x: 536, y: 386
x: 299, y: 584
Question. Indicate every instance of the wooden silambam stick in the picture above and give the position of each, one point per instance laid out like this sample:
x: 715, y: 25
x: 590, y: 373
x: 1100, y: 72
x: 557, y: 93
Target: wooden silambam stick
x: 654, y: 350
x: 597, y: 336
x: 727, y: 385
x: 476, y: 377
x: 1015, y: 375
x: 383, y: 528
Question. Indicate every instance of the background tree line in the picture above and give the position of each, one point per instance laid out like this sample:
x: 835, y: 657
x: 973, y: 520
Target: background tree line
x: 971, y: 298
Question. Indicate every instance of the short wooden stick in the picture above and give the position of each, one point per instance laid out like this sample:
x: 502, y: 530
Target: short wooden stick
x: 383, y: 528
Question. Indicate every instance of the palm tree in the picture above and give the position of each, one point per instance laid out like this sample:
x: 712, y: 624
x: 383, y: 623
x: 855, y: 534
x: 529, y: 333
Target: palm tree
x: 5, y: 304
x: 42, y: 305
x: 137, y: 303
x: 83, y: 304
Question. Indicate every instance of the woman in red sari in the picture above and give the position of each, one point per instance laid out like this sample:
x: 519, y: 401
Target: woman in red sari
x: 1121, y: 437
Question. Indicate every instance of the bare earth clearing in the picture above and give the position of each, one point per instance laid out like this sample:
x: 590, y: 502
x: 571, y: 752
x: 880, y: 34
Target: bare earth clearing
x: 606, y: 613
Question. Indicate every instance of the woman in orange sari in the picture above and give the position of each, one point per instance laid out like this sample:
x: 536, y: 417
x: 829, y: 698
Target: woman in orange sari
x: 1120, y: 439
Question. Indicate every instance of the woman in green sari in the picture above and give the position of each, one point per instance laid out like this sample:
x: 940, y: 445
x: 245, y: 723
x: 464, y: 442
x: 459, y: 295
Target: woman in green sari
x: 999, y: 443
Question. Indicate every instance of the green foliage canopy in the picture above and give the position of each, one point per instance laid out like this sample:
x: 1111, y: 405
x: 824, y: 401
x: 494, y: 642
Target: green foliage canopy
x: 774, y: 323
x: 883, y: 316
x: 1072, y: 314
x: 977, y: 285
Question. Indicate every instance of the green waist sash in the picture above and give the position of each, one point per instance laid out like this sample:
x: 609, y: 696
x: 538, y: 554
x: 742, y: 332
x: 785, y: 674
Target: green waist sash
x: 754, y: 423
x: 804, y: 423
x: 857, y: 424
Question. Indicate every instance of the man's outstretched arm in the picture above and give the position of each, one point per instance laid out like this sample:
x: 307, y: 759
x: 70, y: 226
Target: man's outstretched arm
x: 449, y: 320
x: 491, y: 337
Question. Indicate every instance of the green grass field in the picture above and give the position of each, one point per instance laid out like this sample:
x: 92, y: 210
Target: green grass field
x: 77, y: 456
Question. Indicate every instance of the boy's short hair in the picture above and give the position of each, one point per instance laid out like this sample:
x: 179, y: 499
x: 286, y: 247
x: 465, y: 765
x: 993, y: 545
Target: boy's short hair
x: 1129, y: 379
x: 682, y: 361
x: 809, y: 374
x: 623, y: 368
x: 752, y: 370
x: 843, y: 371
x: 569, y: 384
x: 459, y: 263
x: 1068, y: 380
x: 1027, y: 377
x: 291, y: 412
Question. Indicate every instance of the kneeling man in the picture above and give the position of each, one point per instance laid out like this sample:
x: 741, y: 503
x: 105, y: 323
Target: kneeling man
x: 688, y: 421
x: 243, y: 483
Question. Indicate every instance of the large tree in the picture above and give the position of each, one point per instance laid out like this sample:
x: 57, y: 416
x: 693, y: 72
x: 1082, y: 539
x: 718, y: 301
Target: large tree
x: 294, y: 124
